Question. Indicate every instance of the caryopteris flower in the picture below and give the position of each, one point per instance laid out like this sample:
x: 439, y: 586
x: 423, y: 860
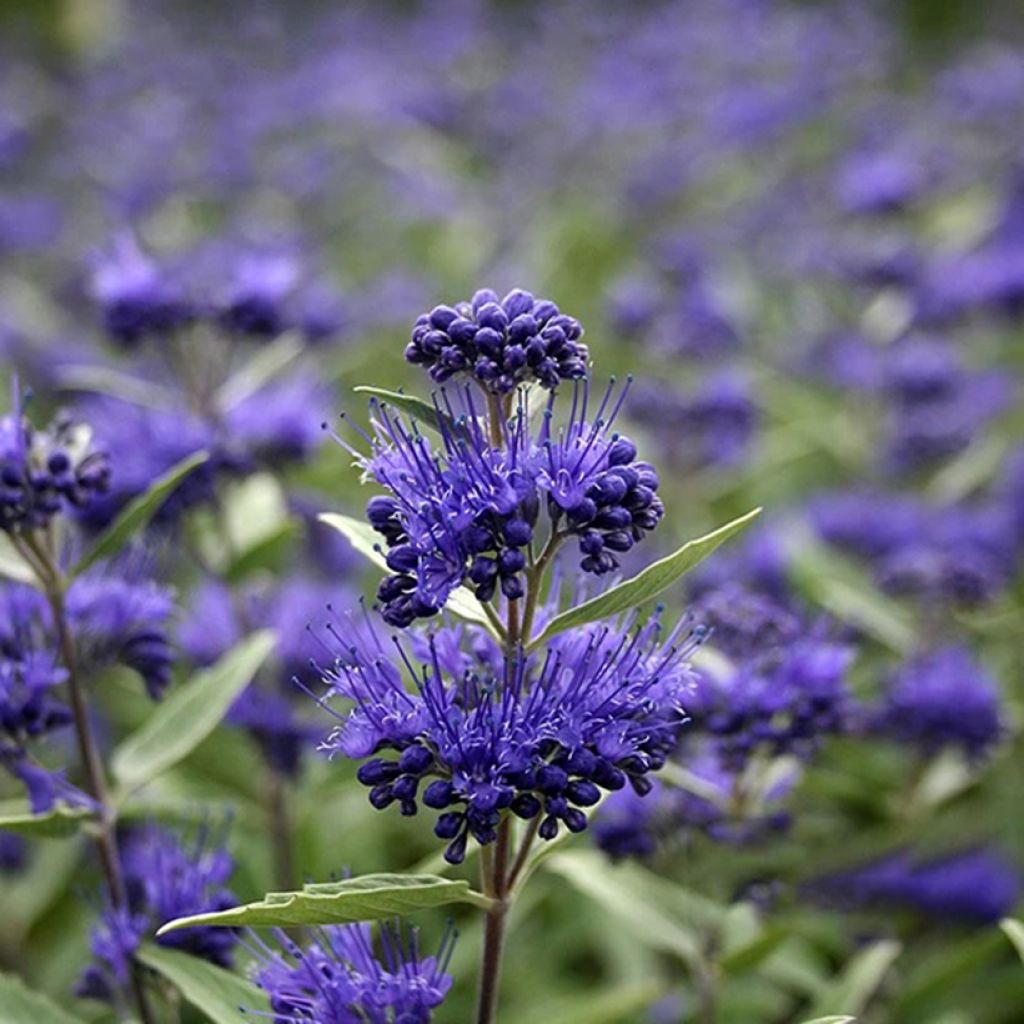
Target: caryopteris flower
x: 500, y: 343
x: 489, y: 732
x: 164, y: 880
x: 978, y: 886
x: 469, y: 514
x: 43, y: 472
x: 338, y: 978
x: 941, y: 699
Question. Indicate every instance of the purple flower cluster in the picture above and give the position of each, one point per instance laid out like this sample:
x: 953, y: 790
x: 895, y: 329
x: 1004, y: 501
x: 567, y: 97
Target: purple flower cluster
x: 270, y: 709
x: 45, y: 471
x: 500, y: 343
x: 338, y: 979
x: 115, y: 619
x: 941, y: 699
x: 961, y: 554
x: 976, y: 886
x: 164, y: 879
x: 484, y: 732
x: 470, y: 516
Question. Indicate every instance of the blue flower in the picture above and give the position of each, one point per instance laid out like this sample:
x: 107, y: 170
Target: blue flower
x: 940, y: 699
x: 500, y: 343
x: 537, y: 737
x: 137, y: 298
x: 255, y: 301
x: 976, y: 886
x: 45, y: 471
x: 338, y: 979
x: 118, y: 618
x: 468, y: 514
x: 164, y: 879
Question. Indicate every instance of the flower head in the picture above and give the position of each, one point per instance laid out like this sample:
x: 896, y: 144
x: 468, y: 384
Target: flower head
x: 138, y: 299
x: 164, y: 879
x: 500, y: 343
x: 339, y: 979
x: 941, y: 699
x: 44, y: 471
x: 491, y: 733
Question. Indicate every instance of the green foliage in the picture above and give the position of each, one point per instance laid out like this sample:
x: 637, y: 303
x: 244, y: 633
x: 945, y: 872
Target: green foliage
x: 138, y: 513
x: 422, y: 412
x: 20, y: 1005
x: 364, y: 898
x: 190, y: 713
x: 58, y: 823
x: 860, y: 979
x: 647, y: 584
x: 1014, y: 931
x: 222, y: 996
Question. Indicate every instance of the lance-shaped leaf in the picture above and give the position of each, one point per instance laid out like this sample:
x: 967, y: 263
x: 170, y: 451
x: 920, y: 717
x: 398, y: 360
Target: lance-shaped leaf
x: 57, y: 823
x: 852, y: 990
x: 653, y: 580
x: 190, y: 714
x: 259, y: 371
x: 421, y: 411
x: 365, y: 898
x: 221, y: 996
x: 366, y: 541
x: 1014, y: 931
x: 831, y: 1020
x: 13, y: 566
x: 139, y: 512
x: 20, y: 1005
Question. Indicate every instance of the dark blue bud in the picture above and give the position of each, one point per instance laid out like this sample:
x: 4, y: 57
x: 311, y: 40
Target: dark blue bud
x: 526, y: 805
x: 518, y: 533
x: 462, y: 331
x: 621, y: 452
x: 442, y: 316
x: 619, y: 540
x: 374, y: 772
x: 513, y: 358
x: 551, y: 779
x: 494, y: 317
x: 583, y: 792
x: 548, y: 828
x: 484, y: 297
x: 522, y: 327
x: 516, y: 302
x: 575, y: 821
x: 382, y: 796
x: 455, y: 852
x: 439, y: 794
x: 489, y: 342
x: 415, y: 760
x: 511, y: 561
x: 447, y: 825
x: 582, y: 513
x: 402, y: 559
x: 405, y: 788
x: 512, y: 587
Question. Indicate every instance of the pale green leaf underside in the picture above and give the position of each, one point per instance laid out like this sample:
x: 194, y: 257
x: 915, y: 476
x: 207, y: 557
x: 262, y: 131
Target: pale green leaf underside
x: 224, y: 998
x: 365, y: 898
x: 421, y: 411
x: 860, y: 979
x: 190, y: 714
x: 62, y: 821
x: 647, y: 584
x: 1014, y: 931
x: 13, y: 566
x: 20, y: 1005
x: 366, y: 541
x: 139, y: 512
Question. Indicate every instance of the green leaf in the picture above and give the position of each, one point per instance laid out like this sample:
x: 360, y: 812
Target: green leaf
x: 855, y: 986
x: 20, y: 1005
x: 13, y: 566
x: 58, y: 823
x: 215, y: 992
x: 661, y: 914
x: 104, y: 380
x: 1014, y: 931
x: 190, y: 714
x: 364, y: 898
x: 831, y: 1020
x: 366, y: 541
x: 603, y: 1006
x: 421, y: 411
x: 268, y: 362
x: 139, y: 512
x: 841, y: 587
x: 653, y: 580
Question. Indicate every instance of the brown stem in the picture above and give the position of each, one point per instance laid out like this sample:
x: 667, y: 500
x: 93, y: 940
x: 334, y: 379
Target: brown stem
x: 494, y: 871
x: 280, y: 825
x: 95, y: 782
x: 524, y: 851
x: 534, y: 581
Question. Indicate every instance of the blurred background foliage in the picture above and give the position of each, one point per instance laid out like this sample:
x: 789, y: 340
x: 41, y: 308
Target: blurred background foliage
x: 783, y: 192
